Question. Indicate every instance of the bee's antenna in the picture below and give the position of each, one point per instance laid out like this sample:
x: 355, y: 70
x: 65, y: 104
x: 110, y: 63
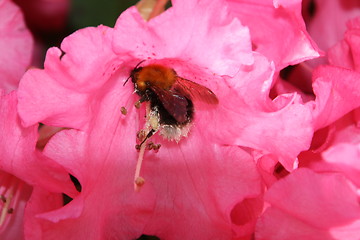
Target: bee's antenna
x: 127, y: 80
x: 136, y: 67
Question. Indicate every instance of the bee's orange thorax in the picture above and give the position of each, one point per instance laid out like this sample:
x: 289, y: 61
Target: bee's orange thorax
x: 155, y: 75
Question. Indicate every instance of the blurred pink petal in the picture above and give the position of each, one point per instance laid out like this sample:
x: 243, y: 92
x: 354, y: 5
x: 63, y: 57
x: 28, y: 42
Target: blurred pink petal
x: 306, y: 205
x: 277, y: 30
x: 340, y: 154
x: 346, y: 52
x: 16, y: 45
x: 45, y: 15
x: 345, y: 158
x: 336, y: 94
x: 328, y: 25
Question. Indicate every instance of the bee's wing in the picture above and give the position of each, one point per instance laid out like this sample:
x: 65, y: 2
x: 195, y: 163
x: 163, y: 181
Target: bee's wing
x: 195, y: 91
x: 175, y: 104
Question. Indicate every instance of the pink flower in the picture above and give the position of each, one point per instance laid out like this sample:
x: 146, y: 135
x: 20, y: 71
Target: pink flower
x: 308, y: 205
x: 16, y: 45
x: 21, y: 166
x: 206, y: 174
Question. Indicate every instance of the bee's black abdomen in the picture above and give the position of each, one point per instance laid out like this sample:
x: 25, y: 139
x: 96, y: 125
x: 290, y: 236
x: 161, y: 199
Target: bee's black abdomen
x: 165, y: 117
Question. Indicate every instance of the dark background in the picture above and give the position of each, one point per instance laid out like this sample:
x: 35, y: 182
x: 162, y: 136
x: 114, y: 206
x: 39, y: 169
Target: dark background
x: 85, y: 13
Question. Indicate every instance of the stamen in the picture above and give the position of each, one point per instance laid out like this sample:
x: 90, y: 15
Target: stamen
x: 139, y: 181
x: 5, y: 208
x: 10, y: 190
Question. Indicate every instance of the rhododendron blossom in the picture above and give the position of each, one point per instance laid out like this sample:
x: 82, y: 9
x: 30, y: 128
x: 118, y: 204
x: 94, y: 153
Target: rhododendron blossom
x: 205, y: 174
x: 192, y: 118
x: 16, y: 45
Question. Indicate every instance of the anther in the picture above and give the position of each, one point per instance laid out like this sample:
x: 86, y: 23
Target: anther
x: 140, y: 135
x: 139, y: 182
x: 149, y: 146
x: 123, y: 110
x: 137, y: 104
x: 137, y: 147
x: 156, y: 147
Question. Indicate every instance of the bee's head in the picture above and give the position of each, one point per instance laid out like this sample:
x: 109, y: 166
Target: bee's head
x: 134, y: 72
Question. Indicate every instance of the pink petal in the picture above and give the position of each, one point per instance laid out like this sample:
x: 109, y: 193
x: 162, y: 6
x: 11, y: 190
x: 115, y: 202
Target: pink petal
x: 16, y: 45
x: 277, y: 30
x: 63, y: 108
x: 336, y: 94
x: 248, y: 117
x: 86, y: 60
x: 65, y: 88
x: 345, y: 158
x: 190, y: 33
x: 327, y: 31
x: 342, y: 154
x: 346, y: 52
x: 40, y: 201
x: 19, y: 156
x: 310, y: 206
